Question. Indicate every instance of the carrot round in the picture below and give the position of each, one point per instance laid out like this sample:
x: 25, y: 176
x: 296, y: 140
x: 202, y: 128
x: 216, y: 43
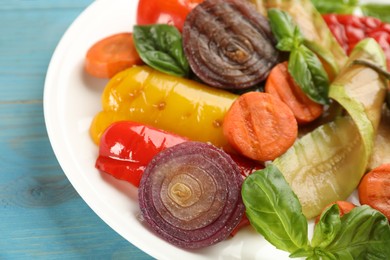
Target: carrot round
x: 281, y: 84
x: 344, y: 208
x: 111, y: 55
x: 260, y: 126
x: 374, y: 189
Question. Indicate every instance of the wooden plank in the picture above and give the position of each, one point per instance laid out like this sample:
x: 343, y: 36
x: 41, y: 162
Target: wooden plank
x: 28, y: 37
x: 43, y: 4
x: 42, y: 216
x: 41, y: 213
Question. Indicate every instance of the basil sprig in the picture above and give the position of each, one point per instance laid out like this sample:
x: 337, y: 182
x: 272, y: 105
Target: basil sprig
x: 274, y: 211
x: 304, y: 65
x: 160, y: 47
x: 364, y: 233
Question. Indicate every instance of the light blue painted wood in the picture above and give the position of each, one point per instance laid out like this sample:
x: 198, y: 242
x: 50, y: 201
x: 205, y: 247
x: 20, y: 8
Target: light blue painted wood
x: 41, y: 215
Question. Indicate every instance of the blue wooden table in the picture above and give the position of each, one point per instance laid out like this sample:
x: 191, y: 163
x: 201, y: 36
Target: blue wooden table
x: 41, y: 215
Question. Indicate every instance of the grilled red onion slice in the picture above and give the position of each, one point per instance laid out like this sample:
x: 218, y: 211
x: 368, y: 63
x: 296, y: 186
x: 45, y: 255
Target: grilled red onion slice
x: 229, y: 44
x: 190, y: 194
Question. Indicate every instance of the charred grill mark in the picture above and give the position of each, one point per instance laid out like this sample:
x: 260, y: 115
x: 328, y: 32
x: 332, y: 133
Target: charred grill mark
x: 228, y: 44
x: 249, y: 125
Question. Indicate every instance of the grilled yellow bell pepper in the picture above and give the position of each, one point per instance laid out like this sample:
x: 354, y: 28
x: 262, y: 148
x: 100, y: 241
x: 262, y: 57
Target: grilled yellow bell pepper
x: 174, y: 104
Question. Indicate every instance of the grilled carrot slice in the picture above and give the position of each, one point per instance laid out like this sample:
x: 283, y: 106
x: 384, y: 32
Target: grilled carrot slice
x: 260, y: 126
x: 281, y: 85
x: 374, y: 189
x: 110, y: 55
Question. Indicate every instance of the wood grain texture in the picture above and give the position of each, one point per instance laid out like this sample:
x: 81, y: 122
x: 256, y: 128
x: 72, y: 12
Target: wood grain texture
x: 41, y: 215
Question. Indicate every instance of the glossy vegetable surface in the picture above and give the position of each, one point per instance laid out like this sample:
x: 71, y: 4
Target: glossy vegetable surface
x: 361, y: 90
x: 381, y: 152
x: 326, y: 165
x: 260, y: 126
x: 172, y: 12
x: 374, y: 189
x: 350, y: 29
x: 111, y: 55
x: 174, y: 104
x: 280, y: 84
x: 190, y: 195
x: 228, y: 44
x: 127, y: 147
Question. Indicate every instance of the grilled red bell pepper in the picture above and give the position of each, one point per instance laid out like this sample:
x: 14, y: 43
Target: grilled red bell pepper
x: 127, y: 147
x: 350, y: 29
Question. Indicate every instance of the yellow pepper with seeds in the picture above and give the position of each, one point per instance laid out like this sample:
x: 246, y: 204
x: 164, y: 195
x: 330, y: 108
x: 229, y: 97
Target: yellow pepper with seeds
x: 174, y: 104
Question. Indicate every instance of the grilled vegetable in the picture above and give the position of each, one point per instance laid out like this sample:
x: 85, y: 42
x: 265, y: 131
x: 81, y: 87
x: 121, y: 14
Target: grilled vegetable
x: 350, y: 29
x: 228, y: 44
x: 111, y: 55
x: 173, y: 12
x: 190, y: 194
x: 381, y: 152
x: 127, y: 147
x: 374, y: 189
x: 327, y: 164
x: 313, y: 27
x: 281, y: 85
x: 174, y: 104
x: 260, y: 126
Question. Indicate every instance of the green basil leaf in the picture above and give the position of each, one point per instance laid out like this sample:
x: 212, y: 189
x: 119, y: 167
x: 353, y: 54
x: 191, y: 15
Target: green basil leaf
x: 160, y: 47
x: 380, y: 11
x: 327, y: 229
x: 304, y: 66
x: 298, y: 37
x: 285, y: 44
x: 274, y: 210
x: 308, y: 72
x: 363, y: 233
x: 305, y: 252
x: 325, y: 55
x: 281, y: 23
x: 336, y: 6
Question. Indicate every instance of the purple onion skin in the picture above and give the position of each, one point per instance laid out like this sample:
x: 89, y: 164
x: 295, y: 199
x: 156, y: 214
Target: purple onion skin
x: 229, y: 44
x: 190, y: 195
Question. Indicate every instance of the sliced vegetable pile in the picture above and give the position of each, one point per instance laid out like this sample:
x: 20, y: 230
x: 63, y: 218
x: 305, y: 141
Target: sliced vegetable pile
x: 215, y: 108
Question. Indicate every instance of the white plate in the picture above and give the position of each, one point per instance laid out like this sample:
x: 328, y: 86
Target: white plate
x: 71, y: 99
